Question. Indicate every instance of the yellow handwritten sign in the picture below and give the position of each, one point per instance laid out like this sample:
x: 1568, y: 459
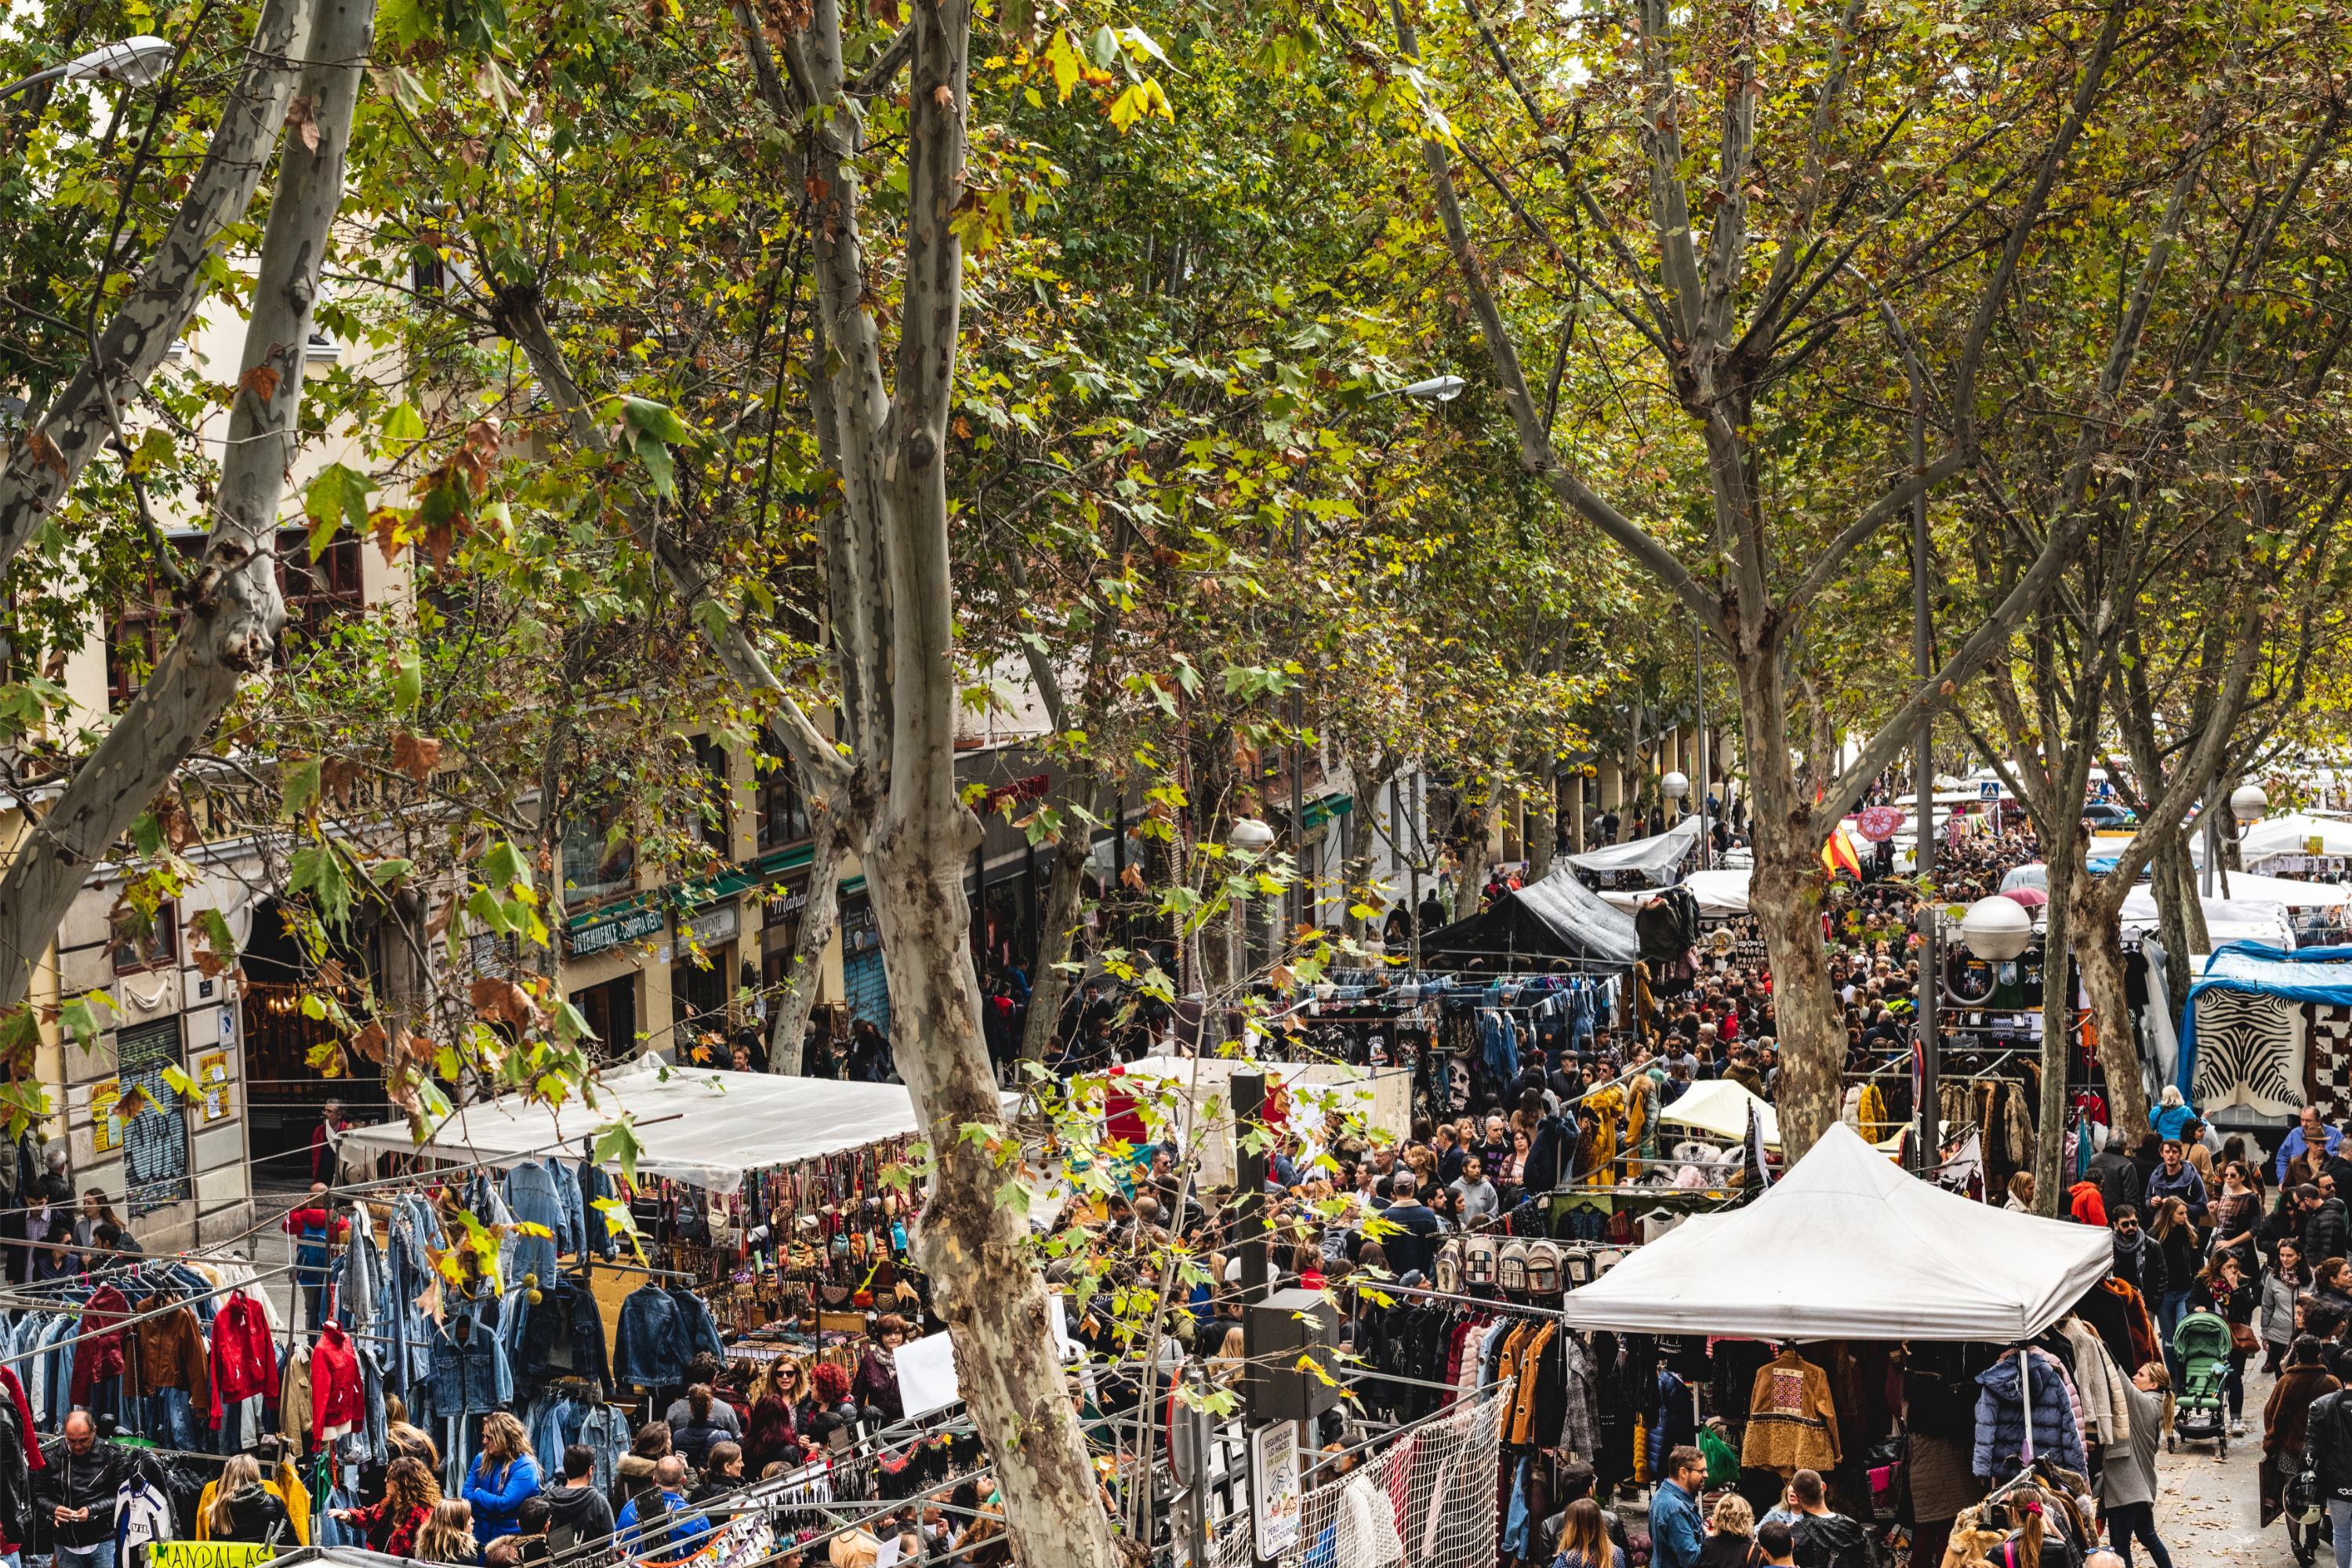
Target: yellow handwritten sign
x: 208, y: 1555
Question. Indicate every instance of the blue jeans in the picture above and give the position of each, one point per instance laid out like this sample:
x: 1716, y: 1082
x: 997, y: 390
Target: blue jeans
x: 2132, y: 1521
x: 172, y: 1420
x: 2339, y: 1513
x: 98, y: 1556
x: 2169, y: 1312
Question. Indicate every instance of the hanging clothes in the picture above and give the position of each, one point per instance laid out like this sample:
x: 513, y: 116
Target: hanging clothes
x: 1791, y: 1419
x: 2019, y: 1420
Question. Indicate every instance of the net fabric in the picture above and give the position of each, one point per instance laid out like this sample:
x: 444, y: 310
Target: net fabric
x: 1426, y: 1501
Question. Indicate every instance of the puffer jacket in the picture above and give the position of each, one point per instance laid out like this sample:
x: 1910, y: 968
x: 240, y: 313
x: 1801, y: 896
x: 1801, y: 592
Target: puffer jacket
x: 2001, y: 1419
x: 2278, y: 1310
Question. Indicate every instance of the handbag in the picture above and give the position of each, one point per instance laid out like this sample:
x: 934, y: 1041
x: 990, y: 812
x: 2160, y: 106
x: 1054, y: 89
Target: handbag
x: 2243, y: 1338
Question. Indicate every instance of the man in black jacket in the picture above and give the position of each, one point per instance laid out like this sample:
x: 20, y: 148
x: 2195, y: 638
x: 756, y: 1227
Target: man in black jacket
x: 2118, y: 1177
x: 2326, y: 1227
x: 76, y: 1488
x: 1413, y: 1246
x: 2328, y: 1451
x: 2139, y: 1262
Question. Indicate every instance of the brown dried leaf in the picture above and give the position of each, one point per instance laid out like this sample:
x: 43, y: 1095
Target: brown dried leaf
x: 337, y: 775
x: 439, y: 920
x: 503, y: 1000
x: 386, y: 523
x: 261, y: 381
x: 300, y: 117
x: 46, y: 453
x: 370, y: 1042
x: 416, y: 755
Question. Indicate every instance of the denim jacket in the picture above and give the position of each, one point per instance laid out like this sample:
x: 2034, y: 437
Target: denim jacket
x: 650, y: 1347
x: 534, y: 1196
x: 469, y: 1375
x: 410, y: 1266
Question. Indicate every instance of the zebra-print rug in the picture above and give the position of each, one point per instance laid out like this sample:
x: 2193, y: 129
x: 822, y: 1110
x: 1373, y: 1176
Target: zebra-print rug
x: 2249, y: 1052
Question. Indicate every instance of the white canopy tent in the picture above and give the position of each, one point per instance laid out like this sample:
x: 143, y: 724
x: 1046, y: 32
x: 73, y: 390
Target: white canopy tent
x: 1720, y: 894
x: 2244, y: 887
x: 1846, y: 1245
x: 2226, y: 919
x: 1719, y: 1107
x: 706, y: 1129
x: 2287, y: 835
x: 1655, y: 856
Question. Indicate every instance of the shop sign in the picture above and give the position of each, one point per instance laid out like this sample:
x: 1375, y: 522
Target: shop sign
x: 613, y: 929
x: 787, y: 909
x: 1030, y: 788
x: 712, y: 927
x: 1275, y: 1488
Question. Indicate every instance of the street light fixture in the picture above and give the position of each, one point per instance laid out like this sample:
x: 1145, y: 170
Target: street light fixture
x: 1997, y: 929
x: 133, y: 62
x: 2247, y: 803
x: 1249, y: 835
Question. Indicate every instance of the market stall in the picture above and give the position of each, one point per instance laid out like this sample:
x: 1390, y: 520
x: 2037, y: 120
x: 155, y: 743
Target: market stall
x: 1847, y: 1245
x: 1198, y: 1093
x: 1656, y: 857
x: 1721, y: 895
x: 2226, y: 919
x: 2267, y: 1033
x: 1558, y: 918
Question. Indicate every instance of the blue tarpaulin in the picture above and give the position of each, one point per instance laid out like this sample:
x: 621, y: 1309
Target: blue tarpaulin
x: 2309, y: 975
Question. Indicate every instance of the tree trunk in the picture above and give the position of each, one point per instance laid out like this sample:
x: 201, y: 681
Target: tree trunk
x: 820, y: 912
x: 1051, y: 984
x: 1785, y: 893
x: 1541, y: 835
x: 166, y: 293
x: 2180, y: 918
x: 2096, y: 938
x: 2057, y: 1043
x: 234, y: 613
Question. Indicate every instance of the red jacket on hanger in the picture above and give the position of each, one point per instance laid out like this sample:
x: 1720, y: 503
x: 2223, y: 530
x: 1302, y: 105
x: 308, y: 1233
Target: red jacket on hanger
x: 245, y: 1359
x: 100, y: 1356
x: 335, y: 1396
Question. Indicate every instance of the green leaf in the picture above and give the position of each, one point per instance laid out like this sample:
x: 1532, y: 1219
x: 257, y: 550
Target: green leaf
x: 485, y: 907
x: 403, y: 423
x: 301, y: 784
x: 1104, y: 46
x: 506, y: 864
x: 655, y: 457
x: 408, y: 682
x: 147, y: 832
x: 318, y: 870
x: 572, y: 1023
x: 155, y: 446
x: 338, y: 495
x: 383, y: 873
x: 79, y: 1018
x: 654, y: 420
x: 619, y: 1142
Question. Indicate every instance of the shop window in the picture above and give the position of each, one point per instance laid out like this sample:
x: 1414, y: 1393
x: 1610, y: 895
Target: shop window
x: 783, y: 810
x: 599, y: 853
x: 143, y: 942
x: 316, y: 591
x: 714, y: 812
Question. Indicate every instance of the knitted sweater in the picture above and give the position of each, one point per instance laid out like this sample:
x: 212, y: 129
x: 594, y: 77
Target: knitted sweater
x: 1791, y: 1421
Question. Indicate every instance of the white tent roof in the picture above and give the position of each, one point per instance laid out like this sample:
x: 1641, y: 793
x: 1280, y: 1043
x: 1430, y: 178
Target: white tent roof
x: 1720, y: 894
x: 702, y: 1128
x: 1719, y: 1105
x: 1649, y: 856
x: 2282, y: 836
x: 1846, y: 1245
x: 2226, y: 919
x: 2245, y: 887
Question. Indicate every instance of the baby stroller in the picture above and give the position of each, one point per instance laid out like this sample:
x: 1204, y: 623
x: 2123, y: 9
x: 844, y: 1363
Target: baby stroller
x: 2202, y: 1343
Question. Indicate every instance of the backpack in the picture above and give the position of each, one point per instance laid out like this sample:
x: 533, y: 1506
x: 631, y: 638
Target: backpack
x: 1514, y: 1267
x: 1543, y: 1269
x: 1576, y: 1268
x: 1478, y: 1258
x: 1448, y: 1267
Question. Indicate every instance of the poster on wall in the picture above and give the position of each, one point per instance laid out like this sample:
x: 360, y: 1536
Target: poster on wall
x: 105, y: 1126
x: 212, y: 1079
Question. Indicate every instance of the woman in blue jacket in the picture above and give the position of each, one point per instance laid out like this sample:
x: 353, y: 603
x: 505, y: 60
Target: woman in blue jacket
x: 505, y: 1476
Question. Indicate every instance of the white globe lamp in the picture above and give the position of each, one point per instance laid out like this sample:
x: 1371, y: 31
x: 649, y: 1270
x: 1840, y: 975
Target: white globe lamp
x: 1997, y: 927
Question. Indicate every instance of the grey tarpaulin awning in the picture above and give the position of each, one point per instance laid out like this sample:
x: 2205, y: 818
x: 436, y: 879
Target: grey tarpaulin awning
x: 1650, y: 857
x: 1558, y: 916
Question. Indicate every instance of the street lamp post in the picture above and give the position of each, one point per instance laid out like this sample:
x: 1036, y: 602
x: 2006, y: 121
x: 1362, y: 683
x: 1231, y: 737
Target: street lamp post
x: 133, y: 62
x: 2247, y: 803
x: 1698, y: 671
x: 1923, y: 795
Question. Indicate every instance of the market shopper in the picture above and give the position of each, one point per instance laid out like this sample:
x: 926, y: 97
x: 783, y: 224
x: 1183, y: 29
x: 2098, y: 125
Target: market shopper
x: 2221, y: 1289
x: 634, y: 1475
x: 2308, y: 1133
x: 2286, y: 1280
x: 2127, y: 1484
x: 1584, y: 1541
x: 1731, y: 1539
x: 692, y: 1437
x: 503, y: 1474
x: 1825, y: 1538
x: 876, y: 1386
x: 448, y: 1535
x: 579, y: 1513
x: 75, y: 1488
x: 1676, y: 1539
x: 392, y: 1524
x: 660, y: 1524
x: 2286, y: 1421
x: 243, y: 1510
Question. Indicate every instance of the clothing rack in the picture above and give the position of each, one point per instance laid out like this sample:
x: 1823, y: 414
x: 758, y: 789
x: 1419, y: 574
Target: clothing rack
x: 132, y: 1319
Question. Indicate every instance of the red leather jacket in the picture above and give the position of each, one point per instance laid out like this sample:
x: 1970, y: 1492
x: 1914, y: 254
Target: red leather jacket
x: 335, y: 1397
x: 100, y: 1357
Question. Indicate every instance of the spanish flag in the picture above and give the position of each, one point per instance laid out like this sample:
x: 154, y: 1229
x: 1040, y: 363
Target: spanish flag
x: 1838, y: 855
